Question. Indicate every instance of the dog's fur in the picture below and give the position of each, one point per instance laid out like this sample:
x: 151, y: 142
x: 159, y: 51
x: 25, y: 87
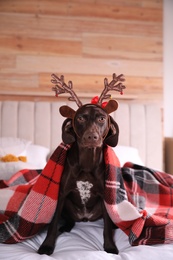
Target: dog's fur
x: 81, y: 196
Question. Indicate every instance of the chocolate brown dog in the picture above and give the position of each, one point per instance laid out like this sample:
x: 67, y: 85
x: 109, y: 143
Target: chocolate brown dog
x: 81, y: 196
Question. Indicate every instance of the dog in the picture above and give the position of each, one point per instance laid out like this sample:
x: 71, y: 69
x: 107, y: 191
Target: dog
x: 81, y: 195
x: 82, y: 183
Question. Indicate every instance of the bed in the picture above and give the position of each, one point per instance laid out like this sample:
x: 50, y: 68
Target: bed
x: 32, y: 129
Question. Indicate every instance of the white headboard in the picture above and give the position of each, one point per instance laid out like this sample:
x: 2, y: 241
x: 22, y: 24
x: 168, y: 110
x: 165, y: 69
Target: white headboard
x: 140, y: 126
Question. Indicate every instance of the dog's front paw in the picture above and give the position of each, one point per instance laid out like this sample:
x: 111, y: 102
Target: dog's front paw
x: 111, y: 249
x: 45, y: 249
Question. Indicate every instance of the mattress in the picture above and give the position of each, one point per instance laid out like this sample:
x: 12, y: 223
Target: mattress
x: 85, y: 241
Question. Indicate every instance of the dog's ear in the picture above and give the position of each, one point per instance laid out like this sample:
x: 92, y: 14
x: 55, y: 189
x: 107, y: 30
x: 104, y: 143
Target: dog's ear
x: 113, y: 134
x: 68, y: 134
x: 67, y: 111
x: 111, y: 106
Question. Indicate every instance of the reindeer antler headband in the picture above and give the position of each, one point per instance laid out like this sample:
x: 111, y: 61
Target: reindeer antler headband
x: 61, y: 87
x: 116, y: 84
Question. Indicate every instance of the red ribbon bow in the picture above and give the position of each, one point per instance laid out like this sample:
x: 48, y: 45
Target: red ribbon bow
x: 95, y: 100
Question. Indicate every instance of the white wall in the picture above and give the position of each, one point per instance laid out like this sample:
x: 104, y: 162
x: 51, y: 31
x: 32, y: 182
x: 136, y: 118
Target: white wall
x: 168, y: 67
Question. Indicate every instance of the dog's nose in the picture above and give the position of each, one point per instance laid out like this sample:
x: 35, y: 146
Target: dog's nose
x: 91, y: 137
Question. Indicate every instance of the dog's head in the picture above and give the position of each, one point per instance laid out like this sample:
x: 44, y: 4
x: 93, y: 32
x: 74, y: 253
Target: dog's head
x: 91, y: 125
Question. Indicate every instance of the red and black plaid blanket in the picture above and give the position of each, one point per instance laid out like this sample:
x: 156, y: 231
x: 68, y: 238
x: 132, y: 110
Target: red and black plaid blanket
x: 139, y: 200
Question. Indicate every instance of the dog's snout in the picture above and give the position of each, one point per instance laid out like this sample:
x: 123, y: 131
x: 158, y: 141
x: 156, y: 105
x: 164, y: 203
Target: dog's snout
x: 91, y: 137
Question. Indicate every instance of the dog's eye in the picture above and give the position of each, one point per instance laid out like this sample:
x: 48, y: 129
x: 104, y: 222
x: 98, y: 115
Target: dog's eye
x: 80, y: 119
x: 101, y: 119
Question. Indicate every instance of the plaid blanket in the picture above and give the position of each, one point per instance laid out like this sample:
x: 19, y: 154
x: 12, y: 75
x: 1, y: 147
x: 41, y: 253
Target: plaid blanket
x: 138, y: 199
x: 28, y: 200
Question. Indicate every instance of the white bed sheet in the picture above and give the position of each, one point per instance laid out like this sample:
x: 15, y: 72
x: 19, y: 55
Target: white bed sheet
x: 85, y: 242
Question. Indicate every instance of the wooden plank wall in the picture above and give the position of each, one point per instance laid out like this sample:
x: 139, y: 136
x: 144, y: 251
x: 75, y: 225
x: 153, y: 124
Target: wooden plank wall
x: 86, y: 40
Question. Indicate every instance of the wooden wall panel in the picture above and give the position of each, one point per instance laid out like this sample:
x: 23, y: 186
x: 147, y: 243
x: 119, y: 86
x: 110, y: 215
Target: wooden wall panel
x: 86, y: 40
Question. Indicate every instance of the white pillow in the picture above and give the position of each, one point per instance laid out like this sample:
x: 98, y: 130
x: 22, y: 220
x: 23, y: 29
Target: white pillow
x: 15, y: 146
x: 127, y: 154
x: 37, y: 155
x: 10, y: 168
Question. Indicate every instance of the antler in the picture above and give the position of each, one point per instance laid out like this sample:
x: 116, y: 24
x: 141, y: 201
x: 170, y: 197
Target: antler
x: 61, y: 87
x: 112, y: 86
